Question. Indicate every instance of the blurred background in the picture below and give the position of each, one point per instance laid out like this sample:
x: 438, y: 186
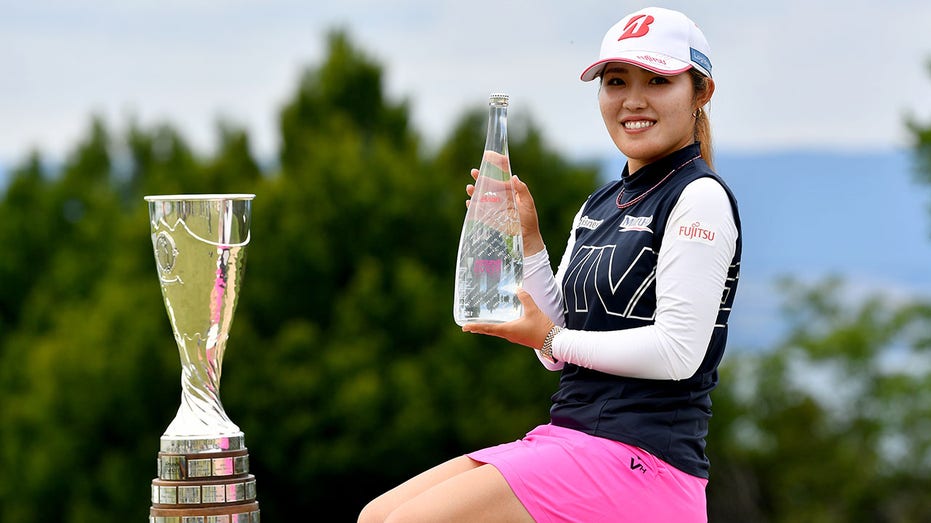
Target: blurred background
x: 355, y: 124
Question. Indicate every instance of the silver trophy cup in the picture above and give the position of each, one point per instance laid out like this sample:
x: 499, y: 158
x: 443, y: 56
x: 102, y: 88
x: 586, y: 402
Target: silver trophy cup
x: 200, y: 252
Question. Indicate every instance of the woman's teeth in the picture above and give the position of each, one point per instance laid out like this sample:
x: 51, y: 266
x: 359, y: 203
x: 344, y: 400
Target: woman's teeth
x: 638, y: 124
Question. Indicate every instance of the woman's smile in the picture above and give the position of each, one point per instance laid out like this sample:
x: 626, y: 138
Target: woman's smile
x: 636, y: 125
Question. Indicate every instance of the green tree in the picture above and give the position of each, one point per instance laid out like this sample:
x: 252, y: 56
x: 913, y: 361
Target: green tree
x: 26, y: 222
x: 344, y: 368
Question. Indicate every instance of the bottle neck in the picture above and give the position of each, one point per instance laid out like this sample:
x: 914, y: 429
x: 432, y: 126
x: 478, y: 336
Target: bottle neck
x: 497, y: 137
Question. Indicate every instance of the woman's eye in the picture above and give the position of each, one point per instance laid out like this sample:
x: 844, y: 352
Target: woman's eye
x: 614, y: 81
x: 659, y: 80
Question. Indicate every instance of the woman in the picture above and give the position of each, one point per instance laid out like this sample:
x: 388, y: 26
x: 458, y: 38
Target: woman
x: 635, y: 317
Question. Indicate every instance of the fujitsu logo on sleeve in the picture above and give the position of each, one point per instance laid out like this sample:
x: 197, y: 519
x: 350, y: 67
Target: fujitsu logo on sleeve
x: 696, y: 232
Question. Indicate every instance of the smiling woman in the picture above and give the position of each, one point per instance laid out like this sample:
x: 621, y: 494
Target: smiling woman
x: 635, y: 317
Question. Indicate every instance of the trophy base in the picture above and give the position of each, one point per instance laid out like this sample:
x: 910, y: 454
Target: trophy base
x: 204, y: 480
x: 247, y: 513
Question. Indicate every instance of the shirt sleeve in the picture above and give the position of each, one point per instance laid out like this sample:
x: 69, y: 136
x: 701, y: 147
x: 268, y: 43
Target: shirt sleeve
x: 699, y: 243
x: 544, y: 287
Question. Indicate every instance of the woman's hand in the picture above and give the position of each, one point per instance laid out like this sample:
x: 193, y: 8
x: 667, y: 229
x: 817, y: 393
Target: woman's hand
x: 527, y: 211
x: 529, y: 330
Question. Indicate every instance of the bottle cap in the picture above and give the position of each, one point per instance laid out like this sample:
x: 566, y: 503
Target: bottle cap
x: 498, y: 99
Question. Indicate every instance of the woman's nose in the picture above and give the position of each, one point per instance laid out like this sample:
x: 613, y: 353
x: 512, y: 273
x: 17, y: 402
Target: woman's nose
x: 634, y: 99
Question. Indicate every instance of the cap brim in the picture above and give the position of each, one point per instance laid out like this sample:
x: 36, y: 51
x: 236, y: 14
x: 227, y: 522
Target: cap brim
x: 658, y: 64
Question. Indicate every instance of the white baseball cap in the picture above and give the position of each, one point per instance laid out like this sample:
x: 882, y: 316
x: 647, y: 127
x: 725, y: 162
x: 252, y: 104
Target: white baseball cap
x: 660, y: 40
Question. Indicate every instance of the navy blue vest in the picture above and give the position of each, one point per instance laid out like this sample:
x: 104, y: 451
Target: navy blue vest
x: 610, y: 284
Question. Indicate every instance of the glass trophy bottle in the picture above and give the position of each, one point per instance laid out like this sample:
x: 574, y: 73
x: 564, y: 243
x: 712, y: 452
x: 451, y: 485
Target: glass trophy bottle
x: 490, y: 262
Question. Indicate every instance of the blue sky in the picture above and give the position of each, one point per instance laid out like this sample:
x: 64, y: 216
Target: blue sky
x: 792, y: 74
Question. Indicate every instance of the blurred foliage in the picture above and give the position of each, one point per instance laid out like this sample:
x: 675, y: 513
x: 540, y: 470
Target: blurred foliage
x: 345, y: 370
x: 834, y: 423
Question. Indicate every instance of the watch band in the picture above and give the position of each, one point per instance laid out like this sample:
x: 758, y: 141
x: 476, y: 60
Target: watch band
x: 547, y: 349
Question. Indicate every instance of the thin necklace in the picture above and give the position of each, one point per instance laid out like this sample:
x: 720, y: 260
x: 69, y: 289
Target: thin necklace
x: 648, y: 191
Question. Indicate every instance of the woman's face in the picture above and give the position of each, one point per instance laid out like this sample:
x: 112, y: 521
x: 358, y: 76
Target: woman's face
x: 648, y: 115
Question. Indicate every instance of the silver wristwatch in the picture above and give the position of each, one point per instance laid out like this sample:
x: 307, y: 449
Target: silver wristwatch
x: 547, y: 349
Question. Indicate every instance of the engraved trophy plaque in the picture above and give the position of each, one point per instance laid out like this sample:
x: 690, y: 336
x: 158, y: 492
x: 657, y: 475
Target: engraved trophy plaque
x: 203, y: 465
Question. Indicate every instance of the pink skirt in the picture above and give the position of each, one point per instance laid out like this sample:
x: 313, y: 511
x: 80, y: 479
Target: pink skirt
x: 563, y: 475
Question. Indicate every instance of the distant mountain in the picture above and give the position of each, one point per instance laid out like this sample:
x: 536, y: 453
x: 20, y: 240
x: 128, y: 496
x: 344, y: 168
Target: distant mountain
x: 860, y: 216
